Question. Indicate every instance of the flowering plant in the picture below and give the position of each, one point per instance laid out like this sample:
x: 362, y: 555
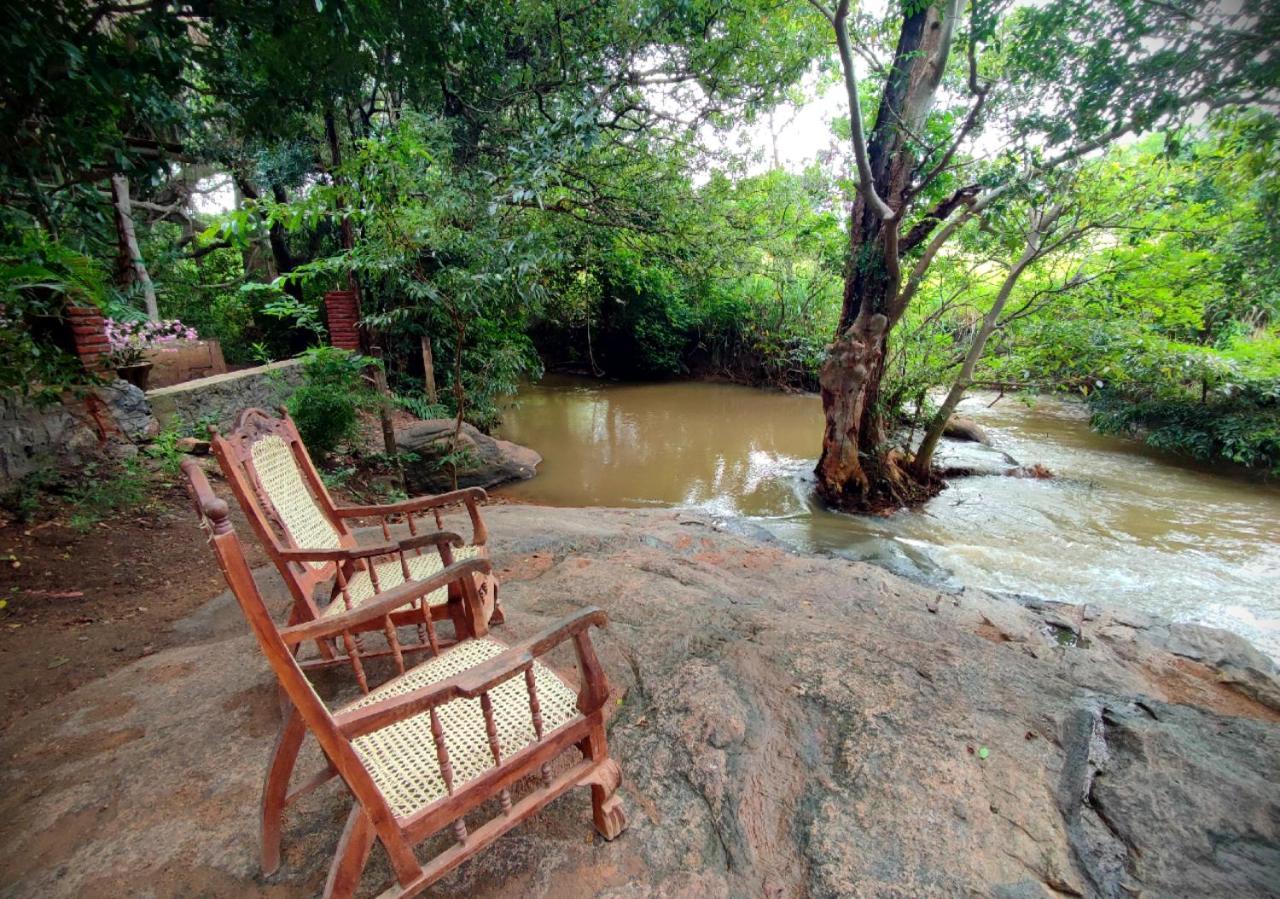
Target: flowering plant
x: 131, y: 340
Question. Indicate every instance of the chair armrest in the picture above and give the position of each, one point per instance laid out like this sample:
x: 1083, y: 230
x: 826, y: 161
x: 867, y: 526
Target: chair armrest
x: 435, y: 538
x: 372, y: 550
x: 470, y: 496
x: 487, y: 675
x: 383, y: 604
x: 417, y: 504
x: 340, y: 554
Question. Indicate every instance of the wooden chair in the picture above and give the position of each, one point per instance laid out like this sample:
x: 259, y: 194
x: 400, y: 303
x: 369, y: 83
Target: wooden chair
x: 308, y: 538
x: 424, y: 750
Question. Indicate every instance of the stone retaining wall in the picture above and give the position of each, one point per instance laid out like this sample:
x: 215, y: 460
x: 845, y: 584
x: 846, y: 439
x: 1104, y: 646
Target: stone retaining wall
x: 111, y: 421
x: 219, y: 398
x: 107, y: 421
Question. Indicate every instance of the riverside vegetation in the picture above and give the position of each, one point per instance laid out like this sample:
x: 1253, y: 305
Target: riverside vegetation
x: 524, y: 188
x: 1079, y: 197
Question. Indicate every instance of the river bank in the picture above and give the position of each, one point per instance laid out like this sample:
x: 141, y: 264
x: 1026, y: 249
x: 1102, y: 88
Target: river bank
x: 788, y: 725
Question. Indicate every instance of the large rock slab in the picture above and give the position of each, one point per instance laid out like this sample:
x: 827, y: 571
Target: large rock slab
x: 481, y: 460
x: 788, y: 725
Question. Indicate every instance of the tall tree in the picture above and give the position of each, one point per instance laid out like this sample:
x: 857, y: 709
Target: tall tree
x: 1094, y: 71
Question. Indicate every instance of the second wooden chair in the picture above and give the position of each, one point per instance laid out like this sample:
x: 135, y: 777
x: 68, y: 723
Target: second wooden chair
x: 310, y: 540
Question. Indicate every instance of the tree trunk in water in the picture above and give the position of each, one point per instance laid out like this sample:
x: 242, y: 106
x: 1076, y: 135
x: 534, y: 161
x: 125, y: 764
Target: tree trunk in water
x: 130, y: 267
x: 920, y: 465
x: 857, y: 471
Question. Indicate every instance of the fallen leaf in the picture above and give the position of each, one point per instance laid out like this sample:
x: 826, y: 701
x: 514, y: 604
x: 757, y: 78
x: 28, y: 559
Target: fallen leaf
x: 59, y: 662
x: 983, y: 752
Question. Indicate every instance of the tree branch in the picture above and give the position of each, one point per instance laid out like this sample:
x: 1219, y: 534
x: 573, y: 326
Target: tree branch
x: 857, y: 134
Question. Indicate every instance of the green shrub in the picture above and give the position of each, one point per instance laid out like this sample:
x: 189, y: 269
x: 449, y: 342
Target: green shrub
x: 1243, y: 428
x: 38, y: 277
x: 99, y: 496
x: 333, y: 392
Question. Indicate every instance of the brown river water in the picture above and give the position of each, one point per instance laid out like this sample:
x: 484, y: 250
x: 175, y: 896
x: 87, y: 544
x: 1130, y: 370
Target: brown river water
x: 1118, y: 524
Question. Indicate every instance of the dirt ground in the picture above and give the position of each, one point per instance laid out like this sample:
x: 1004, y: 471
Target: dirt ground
x: 82, y: 604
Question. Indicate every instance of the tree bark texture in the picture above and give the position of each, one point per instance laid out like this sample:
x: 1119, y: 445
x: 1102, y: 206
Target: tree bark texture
x: 130, y: 267
x: 856, y: 471
x: 920, y: 465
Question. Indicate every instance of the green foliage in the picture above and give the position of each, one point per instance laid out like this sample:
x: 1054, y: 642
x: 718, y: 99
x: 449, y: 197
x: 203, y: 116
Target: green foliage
x: 100, y: 494
x: 737, y: 278
x: 1164, y: 319
x: 28, y: 496
x: 326, y: 406
x: 86, y: 90
x: 418, y: 405
x: 164, y: 450
x: 304, y: 316
x: 38, y: 278
x: 204, y: 293
x: 1243, y: 428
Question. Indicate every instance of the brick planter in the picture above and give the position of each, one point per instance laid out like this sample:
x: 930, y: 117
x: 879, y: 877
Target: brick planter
x: 89, y: 335
x: 344, y: 316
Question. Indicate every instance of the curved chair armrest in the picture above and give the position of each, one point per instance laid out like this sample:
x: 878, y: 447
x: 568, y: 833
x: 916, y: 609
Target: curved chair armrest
x: 340, y: 553
x: 371, y: 550
x: 487, y: 675
x: 466, y: 495
x: 470, y: 496
x: 382, y: 604
x: 435, y: 538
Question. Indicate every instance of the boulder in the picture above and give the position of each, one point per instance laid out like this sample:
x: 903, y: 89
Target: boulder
x: 788, y: 725
x: 958, y: 428
x: 484, y: 462
x: 192, y: 445
x: 954, y: 458
x: 105, y: 422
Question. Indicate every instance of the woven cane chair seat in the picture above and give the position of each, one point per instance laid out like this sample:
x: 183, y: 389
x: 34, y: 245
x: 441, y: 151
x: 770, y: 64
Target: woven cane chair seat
x: 360, y: 587
x: 401, y: 758
x: 281, y: 480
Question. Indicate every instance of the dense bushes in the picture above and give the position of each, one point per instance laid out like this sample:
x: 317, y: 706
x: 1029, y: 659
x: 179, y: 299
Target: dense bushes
x: 333, y: 391
x: 746, y: 287
x: 1201, y: 402
x: 38, y: 277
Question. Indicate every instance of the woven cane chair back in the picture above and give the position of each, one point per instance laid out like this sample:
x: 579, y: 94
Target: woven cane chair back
x: 296, y: 509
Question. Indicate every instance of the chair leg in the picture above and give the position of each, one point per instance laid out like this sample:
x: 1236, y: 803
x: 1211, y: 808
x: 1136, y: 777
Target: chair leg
x: 495, y: 608
x: 604, y: 780
x: 352, y: 855
x: 280, y: 768
x: 458, y: 615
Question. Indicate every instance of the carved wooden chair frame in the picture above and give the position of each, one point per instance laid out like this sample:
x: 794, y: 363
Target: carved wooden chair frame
x: 380, y: 812
x: 345, y: 561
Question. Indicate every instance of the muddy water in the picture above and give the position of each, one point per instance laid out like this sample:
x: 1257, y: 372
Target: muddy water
x: 1118, y: 524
